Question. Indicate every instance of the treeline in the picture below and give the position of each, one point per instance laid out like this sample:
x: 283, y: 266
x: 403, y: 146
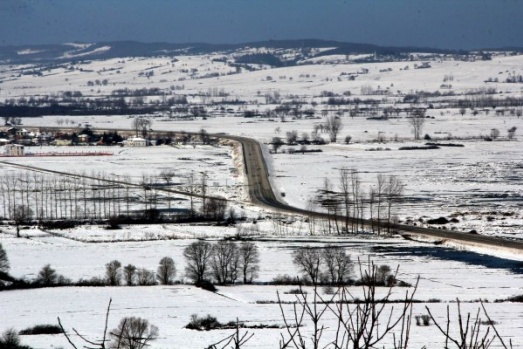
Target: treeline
x: 223, y: 263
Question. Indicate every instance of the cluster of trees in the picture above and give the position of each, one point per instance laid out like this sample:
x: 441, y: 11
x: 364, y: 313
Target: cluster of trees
x: 333, y: 126
x: 327, y: 265
x: 130, y: 275
x: 225, y: 262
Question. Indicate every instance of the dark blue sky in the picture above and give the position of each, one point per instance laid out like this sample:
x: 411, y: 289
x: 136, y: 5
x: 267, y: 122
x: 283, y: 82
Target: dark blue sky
x: 452, y: 24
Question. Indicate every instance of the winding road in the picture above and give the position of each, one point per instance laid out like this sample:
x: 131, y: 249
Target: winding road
x: 262, y: 193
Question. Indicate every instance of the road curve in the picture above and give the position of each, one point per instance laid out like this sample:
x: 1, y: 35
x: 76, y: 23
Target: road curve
x: 262, y: 193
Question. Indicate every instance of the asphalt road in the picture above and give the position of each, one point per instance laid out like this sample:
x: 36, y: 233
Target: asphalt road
x: 262, y: 193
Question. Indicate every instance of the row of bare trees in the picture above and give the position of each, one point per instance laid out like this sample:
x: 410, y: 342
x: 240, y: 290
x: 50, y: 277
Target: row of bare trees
x: 64, y: 197
x: 347, y: 204
x: 31, y: 195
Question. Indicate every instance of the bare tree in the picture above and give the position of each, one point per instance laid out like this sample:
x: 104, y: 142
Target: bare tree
x: 379, y: 192
x: 133, y: 333
x: 308, y: 261
x: 191, y: 186
x: 358, y: 200
x: 360, y: 322
x: 166, y: 271
x: 393, y: 192
x: 305, y: 137
x: 203, y: 185
x: 145, y: 277
x: 511, y: 132
x: 129, y: 274
x: 47, y: 276
x: 141, y: 125
x: 292, y: 137
x: 113, y: 273
x: 333, y: 126
x: 346, y: 191
x: 215, y: 208
x: 384, y: 276
x: 21, y: 214
x: 4, y: 261
x: 204, y: 136
x: 276, y: 143
x: 225, y: 262
x: 249, y: 260
x: 494, y: 133
x: 417, y: 120
x: 330, y: 200
x: 198, y: 256
x: 167, y: 176
x: 338, y: 264
x: 471, y: 333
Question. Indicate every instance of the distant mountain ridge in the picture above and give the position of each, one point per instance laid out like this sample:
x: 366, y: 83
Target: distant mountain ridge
x: 119, y: 49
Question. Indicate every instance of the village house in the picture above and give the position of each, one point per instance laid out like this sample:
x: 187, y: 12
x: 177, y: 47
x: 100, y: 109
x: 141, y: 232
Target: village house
x: 135, y: 142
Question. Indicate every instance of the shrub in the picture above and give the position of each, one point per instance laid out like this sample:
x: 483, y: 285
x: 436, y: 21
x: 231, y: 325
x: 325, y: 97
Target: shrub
x: 133, y: 333
x: 69, y: 224
x: 203, y: 323
x: 296, y: 291
x: 93, y: 282
x: 42, y: 329
x: 440, y: 220
x: 422, y: 320
x: 328, y: 290
x: 206, y: 285
x: 11, y: 340
x: 515, y: 299
x: 429, y: 147
x: 286, y: 279
x: 113, y: 222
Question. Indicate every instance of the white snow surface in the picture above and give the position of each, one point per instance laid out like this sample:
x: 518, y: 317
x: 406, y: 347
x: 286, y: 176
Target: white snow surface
x: 480, y: 180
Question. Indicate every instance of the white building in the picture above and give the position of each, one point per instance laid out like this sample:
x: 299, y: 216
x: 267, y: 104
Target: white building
x: 135, y: 142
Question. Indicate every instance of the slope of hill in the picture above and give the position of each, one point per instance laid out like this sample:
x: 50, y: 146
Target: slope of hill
x: 305, y: 49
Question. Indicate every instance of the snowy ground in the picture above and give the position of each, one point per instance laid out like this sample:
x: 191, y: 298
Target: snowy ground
x: 471, y: 182
x: 483, y: 181
x: 445, y: 274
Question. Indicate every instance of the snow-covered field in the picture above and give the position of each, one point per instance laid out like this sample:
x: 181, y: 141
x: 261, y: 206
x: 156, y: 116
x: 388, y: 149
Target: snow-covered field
x: 481, y: 184
x: 445, y: 274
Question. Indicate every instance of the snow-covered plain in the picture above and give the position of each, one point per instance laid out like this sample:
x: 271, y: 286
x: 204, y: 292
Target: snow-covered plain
x: 445, y: 275
x: 480, y: 180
